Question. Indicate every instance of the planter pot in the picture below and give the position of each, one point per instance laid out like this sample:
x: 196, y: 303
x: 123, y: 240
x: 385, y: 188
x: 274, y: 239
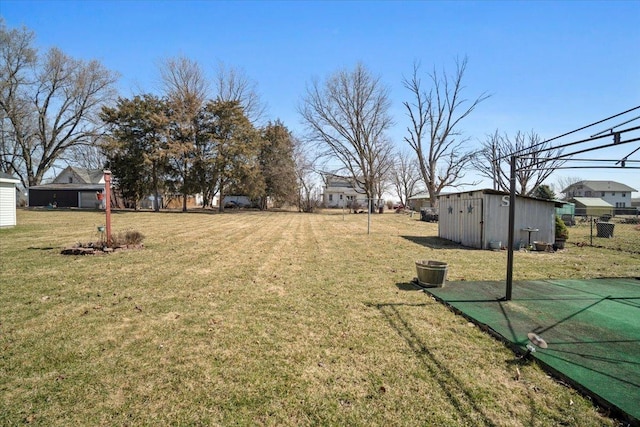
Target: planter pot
x: 431, y: 273
x: 540, y: 246
x: 560, y: 243
x: 495, y: 245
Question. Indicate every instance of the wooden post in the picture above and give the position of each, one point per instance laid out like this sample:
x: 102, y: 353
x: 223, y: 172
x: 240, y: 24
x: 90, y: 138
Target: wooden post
x: 107, y: 196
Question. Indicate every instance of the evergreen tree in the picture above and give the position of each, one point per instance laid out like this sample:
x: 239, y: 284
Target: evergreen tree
x: 277, y: 164
x: 135, y: 146
x: 544, y: 192
x: 228, y: 146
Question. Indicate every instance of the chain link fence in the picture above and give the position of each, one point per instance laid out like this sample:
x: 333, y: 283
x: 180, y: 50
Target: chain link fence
x: 620, y: 232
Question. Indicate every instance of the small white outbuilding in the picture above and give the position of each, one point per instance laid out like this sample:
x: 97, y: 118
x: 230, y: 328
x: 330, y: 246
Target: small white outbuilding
x: 7, y: 200
x: 478, y: 218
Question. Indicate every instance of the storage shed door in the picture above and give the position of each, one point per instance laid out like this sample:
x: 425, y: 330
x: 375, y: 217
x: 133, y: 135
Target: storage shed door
x: 462, y: 221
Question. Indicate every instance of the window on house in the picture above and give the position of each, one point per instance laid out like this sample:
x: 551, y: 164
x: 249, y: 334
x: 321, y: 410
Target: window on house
x: 624, y: 194
x: 587, y: 194
x: 341, y: 197
x: 602, y: 194
x: 613, y: 194
x: 70, y: 180
x: 331, y: 197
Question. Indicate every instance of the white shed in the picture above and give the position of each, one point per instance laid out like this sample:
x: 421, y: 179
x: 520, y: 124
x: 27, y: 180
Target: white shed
x: 7, y: 200
x: 475, y: 218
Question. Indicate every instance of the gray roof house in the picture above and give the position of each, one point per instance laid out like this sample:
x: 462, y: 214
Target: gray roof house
x: 614, y: 193
x: 73, y: 188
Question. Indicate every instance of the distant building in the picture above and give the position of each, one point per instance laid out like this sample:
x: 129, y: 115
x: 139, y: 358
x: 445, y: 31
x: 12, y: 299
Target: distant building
x: 73, y: 188
x: 419, y: 201
x: 614, y: 193
x: 592, y: 206
x: 8, y: 200
x: 340, y: 192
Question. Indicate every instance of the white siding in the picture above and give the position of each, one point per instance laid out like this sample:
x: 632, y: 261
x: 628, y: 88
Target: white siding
x: 475, y: 218
x: 7, y: 204
x: 460, y: 220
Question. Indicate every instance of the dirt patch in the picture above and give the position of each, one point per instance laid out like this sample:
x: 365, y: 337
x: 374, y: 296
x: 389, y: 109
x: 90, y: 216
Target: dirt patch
x: 97, y: 248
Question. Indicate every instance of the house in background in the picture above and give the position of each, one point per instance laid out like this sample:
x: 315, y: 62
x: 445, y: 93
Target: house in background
x: 479, y: 218
x: 8, y: 200
x: 73, y: 188
x: 614, y: 193
x: 340, y: 192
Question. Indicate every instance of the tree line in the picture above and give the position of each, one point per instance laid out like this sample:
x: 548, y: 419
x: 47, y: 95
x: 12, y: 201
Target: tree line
x: 204, y: 136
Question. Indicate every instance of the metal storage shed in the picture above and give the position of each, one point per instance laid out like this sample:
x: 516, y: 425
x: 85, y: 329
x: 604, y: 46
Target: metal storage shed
x: 476, y: 218
x: 592, y: 206
x: 7, y: 200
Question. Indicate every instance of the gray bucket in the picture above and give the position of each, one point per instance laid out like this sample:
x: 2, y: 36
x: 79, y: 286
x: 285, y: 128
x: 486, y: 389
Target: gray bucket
x: 431, y: 273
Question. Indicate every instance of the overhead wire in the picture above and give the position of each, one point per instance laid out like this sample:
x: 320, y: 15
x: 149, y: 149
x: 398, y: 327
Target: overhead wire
x: 571, y: 132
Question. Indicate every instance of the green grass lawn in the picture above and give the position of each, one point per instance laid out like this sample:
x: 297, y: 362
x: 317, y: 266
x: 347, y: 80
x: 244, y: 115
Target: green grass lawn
x: 275, y: 318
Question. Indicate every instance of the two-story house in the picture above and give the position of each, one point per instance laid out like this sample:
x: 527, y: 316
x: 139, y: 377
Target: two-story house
x: 616, y: 194
x: 341, y: 192
x: 600, y: 197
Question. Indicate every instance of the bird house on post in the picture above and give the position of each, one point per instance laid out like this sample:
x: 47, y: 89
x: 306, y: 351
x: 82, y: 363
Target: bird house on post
x: 107, y: 196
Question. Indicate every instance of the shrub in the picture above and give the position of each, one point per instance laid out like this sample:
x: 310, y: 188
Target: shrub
x: 562, y: 232
x: 131, y: 237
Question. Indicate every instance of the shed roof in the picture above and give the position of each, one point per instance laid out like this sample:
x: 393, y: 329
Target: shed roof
x: 68, y: 187
x: 591, y: 202
x: 558, y: 203
x: 5, y: 177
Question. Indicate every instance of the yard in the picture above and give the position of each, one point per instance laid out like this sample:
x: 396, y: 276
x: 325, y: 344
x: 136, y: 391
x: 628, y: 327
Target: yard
x: 251, y: 318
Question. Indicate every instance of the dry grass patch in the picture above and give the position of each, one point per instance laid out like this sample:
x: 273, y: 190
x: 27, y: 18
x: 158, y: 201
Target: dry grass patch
x: 262, y: 319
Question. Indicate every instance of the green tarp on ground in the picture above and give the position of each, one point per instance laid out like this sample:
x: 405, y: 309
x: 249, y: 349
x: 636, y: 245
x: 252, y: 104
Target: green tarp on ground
x: 592, y: 328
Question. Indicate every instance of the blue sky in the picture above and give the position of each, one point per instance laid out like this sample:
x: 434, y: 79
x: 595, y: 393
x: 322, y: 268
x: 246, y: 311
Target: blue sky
x: 550, y: 66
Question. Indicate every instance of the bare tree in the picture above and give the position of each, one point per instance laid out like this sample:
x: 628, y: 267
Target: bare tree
x: 434, y: 132
x: 534, y: 163
x: 347, y: 116
x: 87, y: 156
x: 183, y: 80
x: 49, y: 104
x: 306, y: 177
x: 232, y: 84
x: 563, y: 183
x: 405, y: 176
x: 383, y: 172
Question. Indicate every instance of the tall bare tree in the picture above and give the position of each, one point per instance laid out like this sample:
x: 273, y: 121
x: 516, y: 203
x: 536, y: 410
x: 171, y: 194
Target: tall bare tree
x: 383, y: 172
x: 534, y: 163
x: 405, y: 176
x: 306, y: 177
x: 347, y: 116
x: 232, y: 84
x: 434, y: 133
x: 49, y: 104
